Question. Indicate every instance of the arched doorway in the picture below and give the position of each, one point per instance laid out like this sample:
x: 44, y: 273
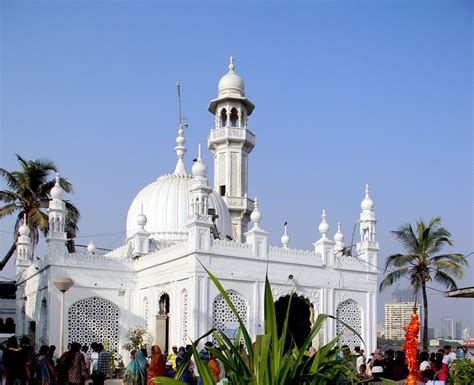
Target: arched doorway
x: 163, y: 322
x: 300, y: 319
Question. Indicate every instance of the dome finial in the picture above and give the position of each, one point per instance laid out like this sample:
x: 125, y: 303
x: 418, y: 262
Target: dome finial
x: 256, y: 215
x: 285, y: 239
x: 323, y: 226
x: 199, y: 169
x: 91, y: 248
x: 24, y: 229
x: 180, y: 140
x: 231, y: 64
x: 141, y: 219
x: 57, y: 191
x: 367, y: 203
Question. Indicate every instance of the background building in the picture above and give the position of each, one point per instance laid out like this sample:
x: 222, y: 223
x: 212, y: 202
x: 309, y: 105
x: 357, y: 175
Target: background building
x: 401, y: 295
x: 398, y: 315
x: 448, y: 328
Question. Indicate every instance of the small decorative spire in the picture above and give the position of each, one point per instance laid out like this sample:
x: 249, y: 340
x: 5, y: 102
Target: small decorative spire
x: 57, y: 191
x: 199, y: 168
x: 285, y: 239
x: 180, y: 140
x: 231, y: 64
x: 91, y: 248
x: 323, y: 226
x: 367, y: 203
x: 141, y: 219
x: 339, y: 237
x: 256, y: 215
x: 24, y: 230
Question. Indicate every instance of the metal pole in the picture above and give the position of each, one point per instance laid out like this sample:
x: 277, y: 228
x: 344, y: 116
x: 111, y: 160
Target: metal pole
x: 61, y: 326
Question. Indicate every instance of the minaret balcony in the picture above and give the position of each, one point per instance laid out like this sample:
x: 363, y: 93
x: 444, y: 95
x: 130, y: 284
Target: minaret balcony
x: 239, y: 203
x: 226, y: 134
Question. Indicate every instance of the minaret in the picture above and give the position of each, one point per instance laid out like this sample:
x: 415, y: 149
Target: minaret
x: 368, y: 247
x: 367, y: 219
x: 199, y: 221
x: 56, y: 237
x: 200, y: 189
x: 231, y: 142
x: 23, y: 247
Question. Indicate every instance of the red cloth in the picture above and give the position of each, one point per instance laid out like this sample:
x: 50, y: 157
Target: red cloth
x: 157, y: 366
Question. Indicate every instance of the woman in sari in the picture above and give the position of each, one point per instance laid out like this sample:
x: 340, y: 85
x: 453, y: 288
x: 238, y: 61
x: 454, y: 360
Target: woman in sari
x: 157, y: 365
x: 135, y: 373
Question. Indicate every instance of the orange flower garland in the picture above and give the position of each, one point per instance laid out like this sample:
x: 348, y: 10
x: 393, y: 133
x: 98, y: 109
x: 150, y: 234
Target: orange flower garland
x: 410, y: 347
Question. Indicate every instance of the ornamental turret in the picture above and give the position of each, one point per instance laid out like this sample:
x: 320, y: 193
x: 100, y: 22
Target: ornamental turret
x: 367, y: 219
x: 56, y: 236
x: 368, y: 247
x: 24, y: 246
x: 200, y: 189
x: 231, y: 142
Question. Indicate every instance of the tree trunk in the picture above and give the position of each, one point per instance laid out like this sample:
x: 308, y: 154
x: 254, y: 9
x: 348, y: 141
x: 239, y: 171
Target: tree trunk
x: 425, y: 317
x: 9, y: 253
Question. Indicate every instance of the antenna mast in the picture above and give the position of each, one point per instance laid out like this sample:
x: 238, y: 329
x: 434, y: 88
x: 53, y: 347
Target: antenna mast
x: 178, y: 86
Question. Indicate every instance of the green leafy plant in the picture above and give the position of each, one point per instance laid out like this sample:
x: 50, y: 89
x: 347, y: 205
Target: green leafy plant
x: 269, y: 362
x: 136, y: 338
x: 463, y: 373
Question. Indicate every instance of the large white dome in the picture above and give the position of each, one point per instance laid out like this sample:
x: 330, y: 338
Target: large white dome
x: 166, y: 204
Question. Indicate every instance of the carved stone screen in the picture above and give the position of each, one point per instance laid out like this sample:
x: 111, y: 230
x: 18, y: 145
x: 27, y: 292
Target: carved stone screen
x: 222, y: 317
x: 146, y: 311
x: 349, y: 312
x: 184, y: 326
x: 44, y: 322
x: 94, y: 320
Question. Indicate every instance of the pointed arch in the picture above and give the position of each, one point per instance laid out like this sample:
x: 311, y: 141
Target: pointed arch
x: 223, y: 118
x: 350, y: 313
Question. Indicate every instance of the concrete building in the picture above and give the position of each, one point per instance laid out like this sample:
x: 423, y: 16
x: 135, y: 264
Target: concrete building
x: 448, y: 328
x: 398, y: 315
x: 176, y: 225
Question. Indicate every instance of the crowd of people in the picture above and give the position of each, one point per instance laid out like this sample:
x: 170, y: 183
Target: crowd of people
x: 142, y: 369
x: 23, y: 366
x: 435, y: 368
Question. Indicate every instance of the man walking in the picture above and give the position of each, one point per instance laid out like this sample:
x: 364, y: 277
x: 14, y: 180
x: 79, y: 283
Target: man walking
x: 103, y: 363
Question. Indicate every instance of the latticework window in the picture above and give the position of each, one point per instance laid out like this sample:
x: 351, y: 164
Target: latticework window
x: 184, y: 325
x: 349, y: 312
x: 94, y: 320
x: 222, y: 317
x: 44, y: 322
x: 146, y: 311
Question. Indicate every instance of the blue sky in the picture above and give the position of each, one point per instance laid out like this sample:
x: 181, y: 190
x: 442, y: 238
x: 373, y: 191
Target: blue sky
x: 346, y: 93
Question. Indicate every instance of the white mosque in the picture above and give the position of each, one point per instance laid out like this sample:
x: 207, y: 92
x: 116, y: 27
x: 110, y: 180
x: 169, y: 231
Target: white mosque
x: 174, y: 225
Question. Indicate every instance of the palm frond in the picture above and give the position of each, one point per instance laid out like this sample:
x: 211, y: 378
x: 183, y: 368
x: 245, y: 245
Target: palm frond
x: 407, y: 237
x: 393, y: 277
x: 9, y: 178
x: 399, y: 260
x: 445, y: 280
x: 450, y: 267
x: 8, y: 210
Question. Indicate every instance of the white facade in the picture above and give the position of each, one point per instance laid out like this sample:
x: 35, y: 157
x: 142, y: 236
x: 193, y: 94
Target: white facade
x: 156, y: 278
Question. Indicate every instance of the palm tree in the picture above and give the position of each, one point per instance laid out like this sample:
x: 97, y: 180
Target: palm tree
x: 29, y: 194
x: 420, y: 264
